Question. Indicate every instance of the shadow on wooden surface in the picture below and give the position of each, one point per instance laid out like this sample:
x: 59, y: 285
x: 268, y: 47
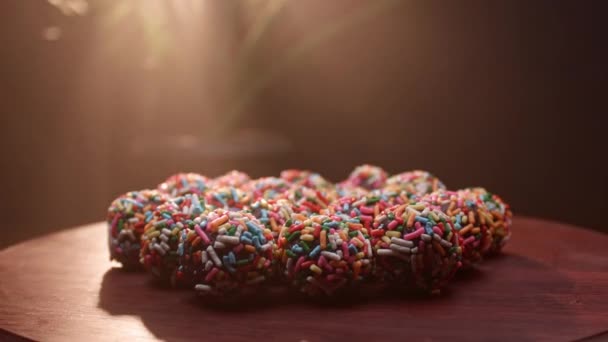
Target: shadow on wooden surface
x: 477, y: 305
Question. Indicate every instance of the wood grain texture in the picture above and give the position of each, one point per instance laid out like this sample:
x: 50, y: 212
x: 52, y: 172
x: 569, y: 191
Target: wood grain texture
x: 550, y: 284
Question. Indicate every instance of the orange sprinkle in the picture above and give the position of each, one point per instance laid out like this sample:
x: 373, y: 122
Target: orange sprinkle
x: 410, y: 220
x: 250, y: 248
x: 219, y: 221
x: 356, y: 269
x: 465, y: 229
x: 323, y: 239
x: 471, y: 217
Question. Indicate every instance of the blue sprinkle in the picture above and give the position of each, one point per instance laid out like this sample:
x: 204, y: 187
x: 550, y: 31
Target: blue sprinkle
x: 226, y: 260
x: 246, y: 240
x: 231, y: 258
x: 180, y: 249
x: 264, y: 219
x: 296, y: 249
x: 234, y: 196
x: 345, y: 207
x: 332, y: 224
x: 247, y: 234
x: 262, y: 239
x: 184, y: 183
x: 315, y: 252
x: 252, y: 227
x: 421, y: 219
x: 352, y: 249
x: 167, y: 216
x: 219, y: 199
x: 264, y: 213
x: 201, y: 185
x: 428, y: 228
x: 357, y: 211
x: 256, y: 242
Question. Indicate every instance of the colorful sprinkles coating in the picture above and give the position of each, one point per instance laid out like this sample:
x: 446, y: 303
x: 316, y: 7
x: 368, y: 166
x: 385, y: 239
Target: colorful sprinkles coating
x: 159, y: 250
x: 415, y: 244
x: 231, y: 235
x: 469, y: 217
x: 127, y: 217
x: 267, y: 188
x: 226, y: 253
x: 323, y: 254
x: 234, y: 178
x: 185, y: 183
x: 414, y: 183
x: 307, y: 179
x: 499, y: 218
x: 368, y: 177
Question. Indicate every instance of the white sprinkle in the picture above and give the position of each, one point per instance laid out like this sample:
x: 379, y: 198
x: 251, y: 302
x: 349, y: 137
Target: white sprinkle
x: 214, y: 256
x: 218, y: 245
x: 208, y: 265
x: 266, y: 246
x: 166, y: 231
x: 414, y: 250
x: 386, y: 252
x: 204, y: 257
x: 400, y: 249
x: 330, y: 255
x: 133, y: 220
x: 165, y: 246
x: 202, y: 287
x: 401, y: 242
x: 445, y: 243
x: 222, y: 231
x: 436, y: 237
x: 164, y: 238
x: 231, y: 240
x: 369, y: 249
x: 426, y: 237
x: 158, y: 248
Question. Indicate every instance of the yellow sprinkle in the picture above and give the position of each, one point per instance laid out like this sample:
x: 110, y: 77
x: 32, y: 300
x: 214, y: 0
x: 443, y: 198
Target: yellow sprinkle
x: 386, y: 239
x: 360, y: 255
x: 153, y: 233
x: 175, y: 231
x: 316, y: 269
x: 393, y: 233
x: 306, y: 237
x: 418, y: 206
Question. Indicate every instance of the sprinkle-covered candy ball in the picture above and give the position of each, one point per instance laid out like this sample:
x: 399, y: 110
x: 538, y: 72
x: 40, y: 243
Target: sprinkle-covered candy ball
x: 127, y: 217
x: 415, y: 245
x: 369, y: 177
x: 499, y: 218
x: 267, y: 188
x: 306, y: 178
x: 469, y: 217
x: 161, y: 237
x: 307, y: 200
x: 226, y: 253
x: 229, y: 198
x: 185, y: 183
x: 233, y: 178
x: 415, y: 183
x: 323, y: 254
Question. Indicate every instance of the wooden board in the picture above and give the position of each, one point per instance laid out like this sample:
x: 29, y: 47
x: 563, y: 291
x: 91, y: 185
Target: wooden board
x: 551, y: 284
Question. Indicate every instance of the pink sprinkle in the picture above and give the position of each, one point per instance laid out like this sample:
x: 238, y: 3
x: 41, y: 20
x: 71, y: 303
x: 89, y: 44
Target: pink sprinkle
x: 211, y: 274
x: 393, y: 225
x: 421, y: 246
x: 322, y: 261
x: 415, y: 234
x: 366, y: 218
x: 366, y: 210
x: 345, y: 251
x: 202, y: 234
x: 114, y: 227
x: 438, y: 231
x: 299, y: 263
x: 469, y: 240
x: 238, y: 248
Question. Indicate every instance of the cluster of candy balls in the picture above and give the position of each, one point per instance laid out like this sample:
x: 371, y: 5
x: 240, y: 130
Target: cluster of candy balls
x: 232, y: 235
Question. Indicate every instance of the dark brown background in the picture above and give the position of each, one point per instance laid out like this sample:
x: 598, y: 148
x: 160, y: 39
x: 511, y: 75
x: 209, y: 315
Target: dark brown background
x: 507, y: 94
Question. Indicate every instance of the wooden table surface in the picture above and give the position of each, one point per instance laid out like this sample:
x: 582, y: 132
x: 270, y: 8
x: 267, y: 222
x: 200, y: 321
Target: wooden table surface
x: 550, y: 284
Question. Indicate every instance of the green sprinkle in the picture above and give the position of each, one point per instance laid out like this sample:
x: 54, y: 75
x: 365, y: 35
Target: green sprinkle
x: 290, y: 253
x: 232, y: 230
x: 242, y: 262
x: 372, y: 200
x: 293, y: 236
x: 353, y: 233
x: 288, y: 223
x: 304, y: 246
